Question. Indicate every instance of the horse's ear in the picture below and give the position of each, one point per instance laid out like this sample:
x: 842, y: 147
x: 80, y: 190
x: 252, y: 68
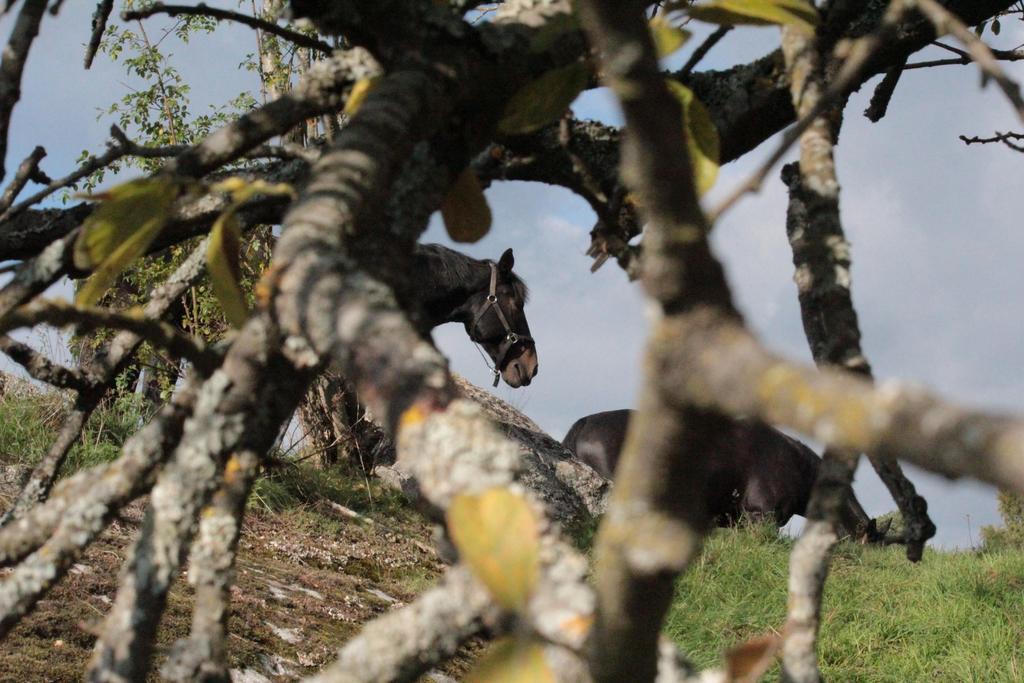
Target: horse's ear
x: 506, y: 261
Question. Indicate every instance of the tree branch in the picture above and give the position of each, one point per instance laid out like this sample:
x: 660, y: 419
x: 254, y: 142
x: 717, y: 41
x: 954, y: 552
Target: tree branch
x: 99, y: 25
x: 156, y: 332
x: 13, y: 64
x: 239, y: 409
x: 947, y: 22
x: 300, y: 39
x: 42, y: 368
x: 656, y: 518
x: 27, y: 170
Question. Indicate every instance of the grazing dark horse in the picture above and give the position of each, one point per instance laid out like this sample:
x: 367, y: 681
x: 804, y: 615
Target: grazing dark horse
x: 486, y: 297
x: 755, y: 469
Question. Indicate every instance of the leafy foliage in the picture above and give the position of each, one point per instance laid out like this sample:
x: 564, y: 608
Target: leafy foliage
x: 1011, y: 534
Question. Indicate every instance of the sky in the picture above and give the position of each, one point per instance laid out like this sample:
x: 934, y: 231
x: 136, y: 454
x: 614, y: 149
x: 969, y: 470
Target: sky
x: 936, y: 245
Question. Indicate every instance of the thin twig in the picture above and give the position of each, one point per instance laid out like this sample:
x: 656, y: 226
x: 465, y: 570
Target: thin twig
x: 702, y: 51
x: 1005, y: 138
x: 1001, y: 55
x: 201, y: 9
x: 121, y: 146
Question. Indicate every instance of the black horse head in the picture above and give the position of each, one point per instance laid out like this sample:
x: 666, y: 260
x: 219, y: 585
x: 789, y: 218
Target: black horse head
x: 486, y: 297
x: 499, y: 325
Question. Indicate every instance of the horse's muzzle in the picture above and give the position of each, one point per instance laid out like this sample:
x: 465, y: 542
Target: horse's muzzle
x: 521, y: 370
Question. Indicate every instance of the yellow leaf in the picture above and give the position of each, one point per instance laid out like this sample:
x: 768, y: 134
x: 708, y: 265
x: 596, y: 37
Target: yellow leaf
x: 360, y: 89
x: 222, y: 260
x: 242, y: 189
x: 701, y: 136
x: 544, y: 100
x: 231, y: 184
x: 667, y: 38
x: 495, y: 533
x: 749, y: 661
x: 467, y: 217
x: 119, y: 230
x: 800, y: 13
x: 511, y: 660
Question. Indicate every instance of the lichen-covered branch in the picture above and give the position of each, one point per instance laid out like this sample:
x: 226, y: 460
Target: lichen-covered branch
x: 893, y: 420
x: 202, y: 656
x: 240, y: 408
x: 821, y: 257
x: 404, y: 644
x: 655, y: 520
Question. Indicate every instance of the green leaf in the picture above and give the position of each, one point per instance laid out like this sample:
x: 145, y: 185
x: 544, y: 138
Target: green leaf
x: 512, y: 660
x: 467, y: 217
x: 495, y: 533
x: 701, y: 136
x: 223, y: 262
x: 544, y: 100
x: 120, y: 230
x: 667, y: 38
x: 554, y: 28
x: 799, y: 13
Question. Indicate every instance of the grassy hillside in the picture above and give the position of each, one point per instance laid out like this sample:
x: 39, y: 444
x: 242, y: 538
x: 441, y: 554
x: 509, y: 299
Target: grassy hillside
x: 308, y: 577
x: 956, y: 616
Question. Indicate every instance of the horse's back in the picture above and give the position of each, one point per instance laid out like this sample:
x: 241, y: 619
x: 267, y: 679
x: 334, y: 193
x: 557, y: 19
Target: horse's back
x: 597, y: 439
x: 753, y: 468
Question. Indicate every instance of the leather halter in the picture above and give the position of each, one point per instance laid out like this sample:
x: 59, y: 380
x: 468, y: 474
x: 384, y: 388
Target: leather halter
x: 511, y: 337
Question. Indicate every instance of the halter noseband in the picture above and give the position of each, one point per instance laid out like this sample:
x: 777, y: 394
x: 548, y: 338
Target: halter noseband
x: 511, y: 337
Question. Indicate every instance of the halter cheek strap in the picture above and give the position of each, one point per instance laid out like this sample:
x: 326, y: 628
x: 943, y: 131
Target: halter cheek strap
x: 511, y: 338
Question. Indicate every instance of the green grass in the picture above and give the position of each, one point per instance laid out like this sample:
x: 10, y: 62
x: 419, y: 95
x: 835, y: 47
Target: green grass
x: 956, y: 616
x: 31, y: 419
x: 290, y: 486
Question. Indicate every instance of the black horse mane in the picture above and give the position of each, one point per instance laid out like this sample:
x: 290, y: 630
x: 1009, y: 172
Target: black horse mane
x: 449, y: 269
